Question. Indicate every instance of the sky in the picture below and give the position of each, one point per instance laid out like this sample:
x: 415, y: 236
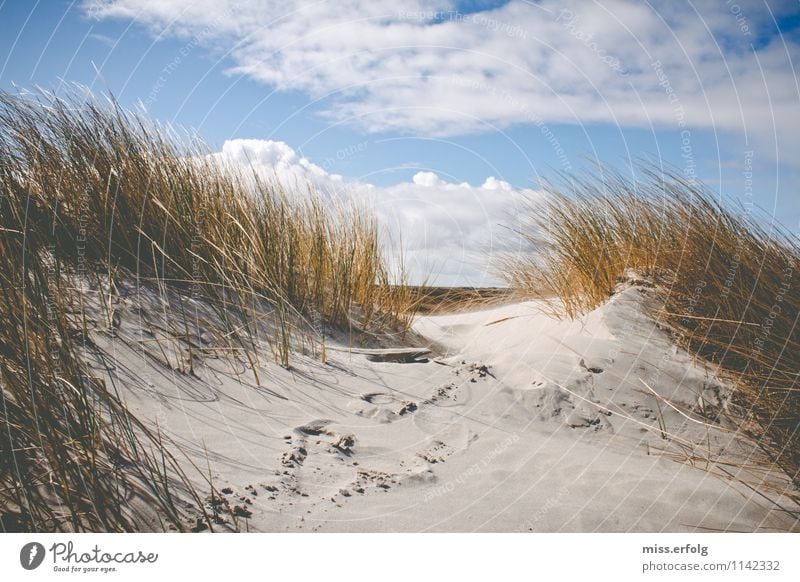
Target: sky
x: 445, y: 115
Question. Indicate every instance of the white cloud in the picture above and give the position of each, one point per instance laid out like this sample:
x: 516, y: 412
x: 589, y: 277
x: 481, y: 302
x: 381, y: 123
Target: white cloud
x: 493, y: 183
x: 276, y: 158
x: 427, y: 68
x: 452, y: 233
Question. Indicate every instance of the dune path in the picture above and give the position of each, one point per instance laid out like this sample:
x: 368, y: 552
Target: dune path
x: 509, y: 421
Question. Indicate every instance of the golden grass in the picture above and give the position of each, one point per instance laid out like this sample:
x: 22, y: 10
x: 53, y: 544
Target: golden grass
x: 727, y: 286
x: 441, y: 300
x: 89, y: 191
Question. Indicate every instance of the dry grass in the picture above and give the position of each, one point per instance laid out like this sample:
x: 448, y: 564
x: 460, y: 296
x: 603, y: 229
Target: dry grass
x: 451, y: 299
x: 89, y: 191
x: 727, y: 286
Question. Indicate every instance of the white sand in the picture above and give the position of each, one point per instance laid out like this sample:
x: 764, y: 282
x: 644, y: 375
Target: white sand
x: 524, y: 423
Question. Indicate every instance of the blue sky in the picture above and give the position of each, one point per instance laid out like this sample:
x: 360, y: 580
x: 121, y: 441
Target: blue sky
x: 380, y: 93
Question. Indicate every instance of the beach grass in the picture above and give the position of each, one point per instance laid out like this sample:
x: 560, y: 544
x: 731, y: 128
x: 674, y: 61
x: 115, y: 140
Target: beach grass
x: 727, y: 283
x: 91, y: 193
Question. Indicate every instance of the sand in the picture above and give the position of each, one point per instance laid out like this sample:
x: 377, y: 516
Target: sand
x: 503, y: 419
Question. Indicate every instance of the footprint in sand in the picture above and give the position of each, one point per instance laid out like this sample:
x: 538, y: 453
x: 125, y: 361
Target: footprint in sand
x: 437, y: 452
x: 378, y: 398
x: 333, y: 441
x: 459, y: 391
x: 318, y: 463
x: 341, y: 442
x: 383, y: 406
x: 443, y: 393
x: 573, y: 405
x: 446, y: 435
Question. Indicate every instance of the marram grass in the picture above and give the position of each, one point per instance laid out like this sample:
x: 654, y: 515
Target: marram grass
x: 727, y: 286
x: 90, y: 192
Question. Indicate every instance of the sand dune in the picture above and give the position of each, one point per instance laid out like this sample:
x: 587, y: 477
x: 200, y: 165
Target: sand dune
x: 506, y: 420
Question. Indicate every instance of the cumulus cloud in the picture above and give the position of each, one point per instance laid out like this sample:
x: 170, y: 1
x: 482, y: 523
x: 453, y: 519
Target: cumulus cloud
x: 276, y: 159
x: 423, y: 66
x: 446, y: 233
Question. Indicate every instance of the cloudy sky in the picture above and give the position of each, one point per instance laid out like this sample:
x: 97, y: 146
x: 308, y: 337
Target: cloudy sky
x: 446, y: 114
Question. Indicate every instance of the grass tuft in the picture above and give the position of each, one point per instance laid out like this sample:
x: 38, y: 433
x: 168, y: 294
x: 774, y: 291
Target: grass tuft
x: 727, y: 286
x: 90, y: 193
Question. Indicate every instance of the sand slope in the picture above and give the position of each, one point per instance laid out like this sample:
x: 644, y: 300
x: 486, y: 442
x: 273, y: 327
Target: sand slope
x: 515, y: 422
